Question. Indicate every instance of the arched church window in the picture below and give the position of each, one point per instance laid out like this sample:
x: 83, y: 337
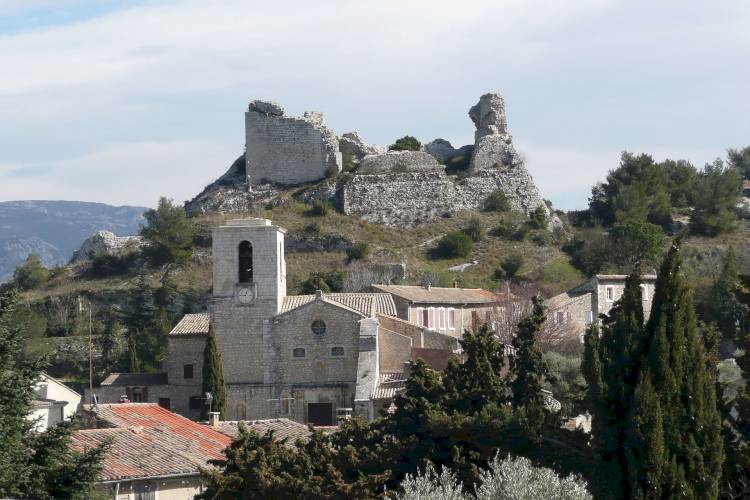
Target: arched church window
x: 245, y: 262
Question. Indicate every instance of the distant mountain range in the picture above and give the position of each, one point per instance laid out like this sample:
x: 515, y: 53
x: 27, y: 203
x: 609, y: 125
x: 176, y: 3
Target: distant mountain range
x: 55, y: 229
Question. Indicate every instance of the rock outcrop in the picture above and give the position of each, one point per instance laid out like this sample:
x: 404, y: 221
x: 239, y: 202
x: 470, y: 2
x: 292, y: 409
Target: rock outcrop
x: 441, y: 149
x: 105, y: 242
x: 352, y: 143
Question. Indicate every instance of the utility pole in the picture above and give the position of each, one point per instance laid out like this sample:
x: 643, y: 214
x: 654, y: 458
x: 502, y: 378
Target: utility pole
x: 91, y: 349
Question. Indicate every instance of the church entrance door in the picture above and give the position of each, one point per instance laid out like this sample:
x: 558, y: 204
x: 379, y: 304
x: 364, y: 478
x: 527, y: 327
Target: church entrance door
x: 320, y: 413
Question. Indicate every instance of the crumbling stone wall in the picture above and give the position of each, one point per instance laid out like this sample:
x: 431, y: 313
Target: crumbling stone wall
x: 286, y: 150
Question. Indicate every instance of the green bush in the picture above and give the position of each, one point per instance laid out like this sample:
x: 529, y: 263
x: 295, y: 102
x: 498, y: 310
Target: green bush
x: 538, y: 218
x: 457, y: 163
x: 312, y: 228
x: 455, y: 244
x: 521, y: 232
x: 332, y: 172
x: 31, y: 274
x: 313, y: 283
x: 504, y: 228
x: 320, y: 208
x: 497, y: 201
x: 358, y: 251
x: 105, y: 264
x: 347, y: 162
x: 406, y: 143
x: 475, y: 229
x: 510, y: 267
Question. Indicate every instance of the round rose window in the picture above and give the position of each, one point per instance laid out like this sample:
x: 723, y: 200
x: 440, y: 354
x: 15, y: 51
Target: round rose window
x: 318, y: 327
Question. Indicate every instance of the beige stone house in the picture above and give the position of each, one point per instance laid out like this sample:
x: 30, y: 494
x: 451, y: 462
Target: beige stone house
x: 450, y: 311
x: 571, y: 312
x: 309, y: 358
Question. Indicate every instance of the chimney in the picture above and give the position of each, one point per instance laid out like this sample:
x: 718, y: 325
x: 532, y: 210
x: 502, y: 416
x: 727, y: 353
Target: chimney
x: 455, y: 283
x: 319, y: 295
x: 213, y: 418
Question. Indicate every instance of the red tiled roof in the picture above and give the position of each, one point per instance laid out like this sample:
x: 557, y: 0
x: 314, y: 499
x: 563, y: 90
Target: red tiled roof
x: 148, y: 440
x: 389, y: 384
x: 438, y: 295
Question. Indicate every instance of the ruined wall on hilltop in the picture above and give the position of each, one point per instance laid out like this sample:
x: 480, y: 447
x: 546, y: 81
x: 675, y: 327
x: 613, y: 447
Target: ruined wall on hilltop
x: 287, y: 150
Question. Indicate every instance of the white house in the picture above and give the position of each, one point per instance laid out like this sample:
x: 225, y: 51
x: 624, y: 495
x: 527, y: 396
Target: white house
x: 54, y: 402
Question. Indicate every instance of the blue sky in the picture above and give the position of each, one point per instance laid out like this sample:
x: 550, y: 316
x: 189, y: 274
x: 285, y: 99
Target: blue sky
x: 125, y: 101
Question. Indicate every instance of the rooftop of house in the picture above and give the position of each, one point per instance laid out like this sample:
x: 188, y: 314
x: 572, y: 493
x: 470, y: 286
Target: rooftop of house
x: 438, y: 295
x: 368, y: 304
x: 437, y: 359
x: 282, y: 428
x: 148, y: 441
x: 125, y: 379
x: 389, y: 384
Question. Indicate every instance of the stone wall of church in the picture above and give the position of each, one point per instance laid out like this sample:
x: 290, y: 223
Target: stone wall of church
x: 185, y: 350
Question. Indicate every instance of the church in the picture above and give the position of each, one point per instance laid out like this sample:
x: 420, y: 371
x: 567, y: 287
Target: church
x: 309, y: 358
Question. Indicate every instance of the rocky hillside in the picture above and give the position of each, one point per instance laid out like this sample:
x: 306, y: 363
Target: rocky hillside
x: 55, y: 229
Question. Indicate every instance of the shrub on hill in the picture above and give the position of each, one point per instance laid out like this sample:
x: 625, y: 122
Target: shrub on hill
x: 320, y: 208
x: 714, y: 210
x: 406, y: 143
x: 31, y: 274
x: 104, y: 264
x: 358, y: 251
x: 497, y: 201
x: 455, y: 244
x: 509, y: 267
x: 475, y: 229
x: 538, y: 218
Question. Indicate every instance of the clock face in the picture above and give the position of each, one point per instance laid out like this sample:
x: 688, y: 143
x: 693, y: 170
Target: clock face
x: 245, y: 295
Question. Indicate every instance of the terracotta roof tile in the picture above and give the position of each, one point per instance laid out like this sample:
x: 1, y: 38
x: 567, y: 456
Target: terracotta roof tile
x: 282, y: 427
x: 389, y: 384
x: 148, y: 440
x: 365, y: 303
x: 438, y: 295
x: 437, y: 359
x: 192, y: 324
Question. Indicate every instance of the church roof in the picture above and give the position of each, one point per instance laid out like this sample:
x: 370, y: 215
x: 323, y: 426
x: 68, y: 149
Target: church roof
x: 282, y: 428
x: 439, y: 295
x: 389, y: 384
x: 368, y: 304
x: 192, y: 324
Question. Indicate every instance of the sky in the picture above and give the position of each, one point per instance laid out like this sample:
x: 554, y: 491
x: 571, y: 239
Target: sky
x: 125, y: 101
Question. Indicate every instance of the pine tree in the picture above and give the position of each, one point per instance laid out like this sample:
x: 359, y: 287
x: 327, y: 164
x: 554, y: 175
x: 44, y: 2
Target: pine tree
x: 729, y: 313
x: 683, y: 380
x: 527, y: 364
x: 213, y: 376
x: 134, y: 363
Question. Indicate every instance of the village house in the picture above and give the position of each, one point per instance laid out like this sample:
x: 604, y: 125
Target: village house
x: 53, y: 402
x: 309, y: 358
x: 570, y: 313
x: 446, y: 310
x: 156, y: 454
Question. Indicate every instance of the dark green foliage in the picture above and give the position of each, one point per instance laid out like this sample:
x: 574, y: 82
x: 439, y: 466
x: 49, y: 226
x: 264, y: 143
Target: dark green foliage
x: 31, y: 274
x: 509, y: 267
x: 504, y: 228
x: 527, y: 364
x: 406, y: 143
x: 656, y: 426
x: 312, y: 228
x: 740, y: 159
x: 358, y: 251
x: 213, y: 377
x: 475, y: 229
x: 348, y: 162
x: 148, y: 327
x: 497, y: 201
x: 168, y: 233
x: 33, y: 464
x: 635, y: 241
x: 538, y: 218
x: 104, y: 264
x: 725, y: 309
x: 714, y: 211
x: 320, y: 208
x: 566, y: 381
x: 455, y: 244
x: 332, y: 172
x: 522, y: 232
x: 332, y: 281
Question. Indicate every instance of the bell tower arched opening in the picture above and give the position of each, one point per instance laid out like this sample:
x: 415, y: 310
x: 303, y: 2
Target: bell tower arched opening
x: 245, y: 271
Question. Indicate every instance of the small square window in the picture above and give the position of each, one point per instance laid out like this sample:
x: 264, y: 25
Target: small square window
x: 299, y: 352
x: 337, y: 351
x: 559, y: 316
x: 610, y: 291
x: 195, y: 402
x: 187, y: 371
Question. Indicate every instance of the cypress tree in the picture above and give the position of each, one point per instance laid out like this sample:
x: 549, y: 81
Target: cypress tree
x: 527, y: 364
x: 612, y: 356
x: 213, y: 376
x: 693, y: 449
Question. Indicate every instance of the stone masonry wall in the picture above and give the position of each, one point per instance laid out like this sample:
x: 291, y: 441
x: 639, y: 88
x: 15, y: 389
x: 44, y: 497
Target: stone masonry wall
x: 288, y: 150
